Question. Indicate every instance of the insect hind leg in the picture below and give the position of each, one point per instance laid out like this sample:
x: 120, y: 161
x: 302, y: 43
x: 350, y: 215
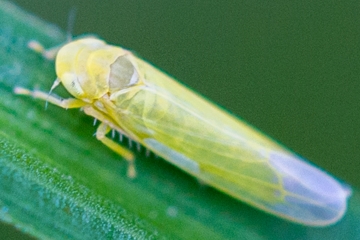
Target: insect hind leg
x: 101, y: 131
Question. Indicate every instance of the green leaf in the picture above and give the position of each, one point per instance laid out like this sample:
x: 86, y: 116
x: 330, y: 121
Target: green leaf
x: 57, y: 181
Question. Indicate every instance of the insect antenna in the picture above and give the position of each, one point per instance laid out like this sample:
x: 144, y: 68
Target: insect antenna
x: 70, y: 24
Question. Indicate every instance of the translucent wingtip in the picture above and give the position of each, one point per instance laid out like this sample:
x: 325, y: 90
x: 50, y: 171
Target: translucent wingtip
x: 311, y: 196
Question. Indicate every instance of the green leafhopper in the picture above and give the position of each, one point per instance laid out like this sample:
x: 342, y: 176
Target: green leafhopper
x: 129, y: 95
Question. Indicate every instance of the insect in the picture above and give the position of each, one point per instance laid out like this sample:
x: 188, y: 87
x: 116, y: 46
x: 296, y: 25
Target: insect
x: 129, y: 95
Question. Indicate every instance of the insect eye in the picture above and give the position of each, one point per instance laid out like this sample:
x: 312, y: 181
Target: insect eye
x: 71, y: 83
x: 122, y: 74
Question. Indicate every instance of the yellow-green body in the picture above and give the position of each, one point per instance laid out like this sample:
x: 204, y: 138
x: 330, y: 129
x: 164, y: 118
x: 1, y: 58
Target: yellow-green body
x: 133, y: 97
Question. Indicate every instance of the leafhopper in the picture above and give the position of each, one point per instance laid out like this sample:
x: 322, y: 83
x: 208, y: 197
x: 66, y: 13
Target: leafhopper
x: 129, y: 95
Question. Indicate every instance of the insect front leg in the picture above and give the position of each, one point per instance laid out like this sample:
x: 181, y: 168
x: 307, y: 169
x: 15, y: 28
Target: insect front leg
x: 101, y: 131
x: 63, y: 103
x: 49, y: 53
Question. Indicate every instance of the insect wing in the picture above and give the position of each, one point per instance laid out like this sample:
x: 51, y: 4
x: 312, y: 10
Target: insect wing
x: 205, y: 141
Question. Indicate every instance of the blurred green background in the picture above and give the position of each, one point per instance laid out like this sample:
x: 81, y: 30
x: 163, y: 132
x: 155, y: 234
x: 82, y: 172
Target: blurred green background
x: 289, y: 68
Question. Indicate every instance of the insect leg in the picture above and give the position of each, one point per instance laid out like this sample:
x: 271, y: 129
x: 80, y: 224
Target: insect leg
x: 64, y: 103
x: 49, y: 54
x: 102, y: 130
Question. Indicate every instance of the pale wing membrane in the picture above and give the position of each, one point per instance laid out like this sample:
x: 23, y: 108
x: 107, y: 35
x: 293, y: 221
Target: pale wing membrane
x: 243, y: 169
x: 225, y: 152
x: 181, y: 130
